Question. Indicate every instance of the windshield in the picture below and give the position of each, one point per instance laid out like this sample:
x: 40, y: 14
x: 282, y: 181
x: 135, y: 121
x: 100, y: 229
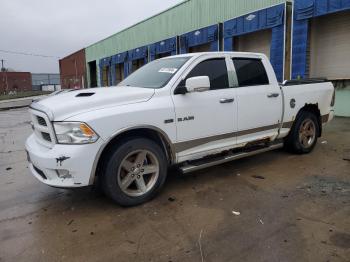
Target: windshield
x: 155, y: 74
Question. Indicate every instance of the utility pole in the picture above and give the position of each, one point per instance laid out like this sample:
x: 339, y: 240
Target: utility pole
x: 2, y: 65
x: 3, y: 76
x: 7, y: 83
x: 3, y: 69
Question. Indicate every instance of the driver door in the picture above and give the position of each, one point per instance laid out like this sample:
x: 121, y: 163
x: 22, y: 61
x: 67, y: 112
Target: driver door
x: 206, y: 121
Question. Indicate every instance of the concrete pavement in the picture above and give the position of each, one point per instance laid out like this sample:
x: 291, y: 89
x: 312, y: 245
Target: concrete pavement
x: 291, y: 208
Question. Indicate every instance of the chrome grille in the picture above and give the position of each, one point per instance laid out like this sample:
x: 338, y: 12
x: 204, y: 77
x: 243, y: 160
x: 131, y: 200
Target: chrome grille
x: 43, y: 128
x: 46, y: 136
x: 41, y: 121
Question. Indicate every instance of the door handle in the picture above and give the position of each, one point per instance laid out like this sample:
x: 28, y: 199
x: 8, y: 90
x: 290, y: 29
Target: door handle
x: 226, y: 100
x: 273, y: 95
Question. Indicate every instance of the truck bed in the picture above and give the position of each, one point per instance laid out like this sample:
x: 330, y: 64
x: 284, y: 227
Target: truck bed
x: 304, y: 81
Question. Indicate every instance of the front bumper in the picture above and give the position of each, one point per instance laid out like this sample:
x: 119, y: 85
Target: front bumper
x: 75, y: 163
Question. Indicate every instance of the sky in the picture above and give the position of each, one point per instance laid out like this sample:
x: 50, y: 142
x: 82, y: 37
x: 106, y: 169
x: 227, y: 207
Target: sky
x: 57, y: 28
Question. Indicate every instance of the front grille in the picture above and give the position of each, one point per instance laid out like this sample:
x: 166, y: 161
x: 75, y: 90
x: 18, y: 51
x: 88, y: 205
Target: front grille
x: 46, y: 136
x: 43, y: 128
x: 41, y: 121
x: 40, y: 172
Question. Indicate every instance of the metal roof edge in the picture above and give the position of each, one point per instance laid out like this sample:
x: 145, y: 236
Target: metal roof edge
x: 72, y: 54
x: 142, y: 21
x: 257, y: 10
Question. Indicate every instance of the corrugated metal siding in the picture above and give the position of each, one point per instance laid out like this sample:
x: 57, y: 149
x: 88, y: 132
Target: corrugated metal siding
x: 185, y: 17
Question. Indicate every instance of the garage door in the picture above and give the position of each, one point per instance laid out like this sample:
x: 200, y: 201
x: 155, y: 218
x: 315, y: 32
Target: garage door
x: 259, y: 42
x: 200, y: 48
x: 330, y: 46
x: 119, y: 71
x: 105, y: 76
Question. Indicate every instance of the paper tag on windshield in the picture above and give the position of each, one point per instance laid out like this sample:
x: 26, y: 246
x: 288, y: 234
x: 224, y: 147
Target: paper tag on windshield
x: 168, y: 70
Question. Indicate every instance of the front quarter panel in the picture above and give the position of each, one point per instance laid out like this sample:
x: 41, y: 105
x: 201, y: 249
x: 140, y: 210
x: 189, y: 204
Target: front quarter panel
x: 157, y: 113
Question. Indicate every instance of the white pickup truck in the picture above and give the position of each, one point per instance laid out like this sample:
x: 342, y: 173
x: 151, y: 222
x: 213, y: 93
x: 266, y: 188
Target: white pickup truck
x: 191, y: 111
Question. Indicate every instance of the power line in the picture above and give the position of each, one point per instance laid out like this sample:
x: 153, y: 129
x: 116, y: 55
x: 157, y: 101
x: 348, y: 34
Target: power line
x: 27, y: 54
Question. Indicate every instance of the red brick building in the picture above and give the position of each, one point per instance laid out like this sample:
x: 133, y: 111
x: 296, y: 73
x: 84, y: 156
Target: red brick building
x: 15, y: 81
x: 73, y: 71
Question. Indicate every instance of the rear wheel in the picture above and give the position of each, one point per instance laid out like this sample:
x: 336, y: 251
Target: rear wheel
x: 304, y: 133
x: 135, y: 172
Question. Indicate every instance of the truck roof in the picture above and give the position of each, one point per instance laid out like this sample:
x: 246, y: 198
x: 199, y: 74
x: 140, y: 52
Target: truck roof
x: 247, y: 54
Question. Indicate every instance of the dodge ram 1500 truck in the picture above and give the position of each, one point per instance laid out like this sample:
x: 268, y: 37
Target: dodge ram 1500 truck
x: 191, y: 111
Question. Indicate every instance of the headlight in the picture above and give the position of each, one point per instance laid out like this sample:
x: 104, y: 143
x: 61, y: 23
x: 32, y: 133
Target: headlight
x: 74, y: 133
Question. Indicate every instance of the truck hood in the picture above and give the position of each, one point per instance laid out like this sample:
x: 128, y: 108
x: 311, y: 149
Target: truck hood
x: 62, y: 106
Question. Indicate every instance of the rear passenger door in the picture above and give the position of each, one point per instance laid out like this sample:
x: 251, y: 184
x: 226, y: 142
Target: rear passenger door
x: 259, y: 100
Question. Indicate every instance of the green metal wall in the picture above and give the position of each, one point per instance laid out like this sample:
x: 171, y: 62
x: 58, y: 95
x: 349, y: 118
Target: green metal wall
x: 185, y: 17
x: 342, y: 102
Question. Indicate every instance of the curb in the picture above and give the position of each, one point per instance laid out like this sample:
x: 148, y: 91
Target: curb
x: 12, y: 107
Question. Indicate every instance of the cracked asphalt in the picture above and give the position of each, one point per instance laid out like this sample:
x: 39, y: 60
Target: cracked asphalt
x: 271, y: 207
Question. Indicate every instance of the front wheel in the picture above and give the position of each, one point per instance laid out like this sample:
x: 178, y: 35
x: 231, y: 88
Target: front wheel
x: 304, y: 133
x: 135, y: 172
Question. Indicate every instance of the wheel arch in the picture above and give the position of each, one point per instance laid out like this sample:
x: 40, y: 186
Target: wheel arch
x: 314, y: 109
x: 151, y: 132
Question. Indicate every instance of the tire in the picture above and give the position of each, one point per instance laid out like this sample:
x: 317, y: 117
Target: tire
x: 304, y: 133
x: 135, y: 172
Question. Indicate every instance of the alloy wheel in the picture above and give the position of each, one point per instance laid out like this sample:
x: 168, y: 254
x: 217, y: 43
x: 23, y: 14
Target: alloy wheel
x: 307, y: 133
x: 138, y: 173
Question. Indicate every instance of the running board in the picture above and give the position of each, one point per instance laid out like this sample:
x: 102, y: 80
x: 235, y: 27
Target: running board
x: 191, y: 167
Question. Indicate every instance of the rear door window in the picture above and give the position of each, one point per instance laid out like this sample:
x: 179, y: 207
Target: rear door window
x: 250, y: 72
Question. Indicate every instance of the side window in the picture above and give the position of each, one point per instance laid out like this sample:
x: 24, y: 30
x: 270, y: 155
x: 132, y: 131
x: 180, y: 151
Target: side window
x: 215, y: 69
x: 250, y: 72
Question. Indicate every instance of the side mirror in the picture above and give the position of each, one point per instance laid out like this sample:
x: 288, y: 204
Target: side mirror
x: 198, y: 84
